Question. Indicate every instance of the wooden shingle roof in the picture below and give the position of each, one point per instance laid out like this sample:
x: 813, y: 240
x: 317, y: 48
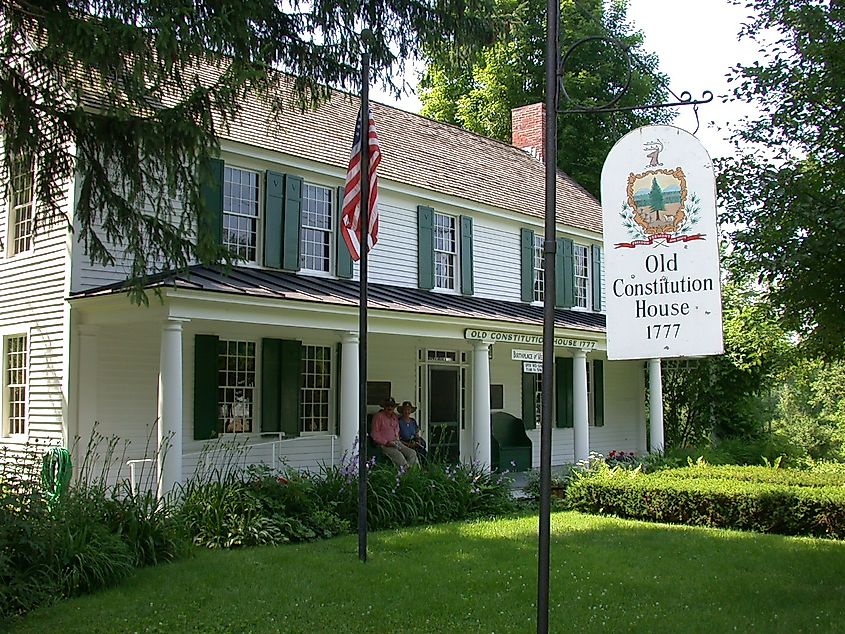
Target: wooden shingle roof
x: 422, y: 153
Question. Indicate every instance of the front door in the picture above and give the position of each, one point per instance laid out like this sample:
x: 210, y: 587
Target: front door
x: 444, y: 427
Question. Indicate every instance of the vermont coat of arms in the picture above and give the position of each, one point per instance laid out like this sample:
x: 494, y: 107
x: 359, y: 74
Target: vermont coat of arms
x: 659, y: 208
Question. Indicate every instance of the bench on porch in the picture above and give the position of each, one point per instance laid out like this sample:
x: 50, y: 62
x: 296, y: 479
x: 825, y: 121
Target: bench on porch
x: 510, y: 449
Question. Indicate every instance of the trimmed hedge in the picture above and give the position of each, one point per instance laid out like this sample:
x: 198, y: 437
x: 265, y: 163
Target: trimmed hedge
x: 786, y: 477
x: 694, y: 499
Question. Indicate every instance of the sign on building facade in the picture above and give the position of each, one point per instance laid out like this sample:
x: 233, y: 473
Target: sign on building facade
x: 661, y: 244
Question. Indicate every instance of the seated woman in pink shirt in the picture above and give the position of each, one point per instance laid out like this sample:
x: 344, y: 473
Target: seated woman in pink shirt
x: 385, y: 434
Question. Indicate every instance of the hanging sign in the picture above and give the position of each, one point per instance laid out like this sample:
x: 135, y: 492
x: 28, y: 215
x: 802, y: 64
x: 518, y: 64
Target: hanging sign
x: 532, y: 367
x: 661, y: 245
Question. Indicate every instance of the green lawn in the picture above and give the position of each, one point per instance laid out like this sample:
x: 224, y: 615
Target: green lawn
x: 607, y: 575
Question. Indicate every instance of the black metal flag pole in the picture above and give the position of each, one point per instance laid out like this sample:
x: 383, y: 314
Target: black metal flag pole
x: 364, y: 243
x: 549, y: 246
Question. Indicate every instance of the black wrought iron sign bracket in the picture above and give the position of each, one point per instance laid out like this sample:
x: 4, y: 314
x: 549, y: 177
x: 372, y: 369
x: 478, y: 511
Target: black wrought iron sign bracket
x: 684, y: 99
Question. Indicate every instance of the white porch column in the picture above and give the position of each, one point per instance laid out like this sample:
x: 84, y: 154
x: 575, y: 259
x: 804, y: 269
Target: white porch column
x: 349, y: 382
x: 655, y: 404
x: 481, y: 403
x: 579, y: 405
x: 170, y: 407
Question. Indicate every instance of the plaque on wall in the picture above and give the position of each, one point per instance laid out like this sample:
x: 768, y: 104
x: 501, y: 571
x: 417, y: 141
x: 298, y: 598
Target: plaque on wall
x: 377, y: 392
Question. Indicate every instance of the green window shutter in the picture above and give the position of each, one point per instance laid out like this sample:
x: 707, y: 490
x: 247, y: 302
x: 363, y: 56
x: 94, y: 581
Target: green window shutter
x: 563, y: 392
x: 529, y: 410
x: 271, y: 404
x: 564, y: 274
x: 210, y: 219
x: 598, y: 393
x: 205, y: 386
x: 291, y: 222
x: 338, y: 358
x: 343, y: 257
x: 290, y: 372
x: 526, y: 240
x: 467, y: 287
x: 596, y: 277
x: 425, y: 246
x: 274, y: 198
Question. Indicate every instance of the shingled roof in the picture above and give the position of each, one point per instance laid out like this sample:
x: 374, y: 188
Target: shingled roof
x: 420, y: 152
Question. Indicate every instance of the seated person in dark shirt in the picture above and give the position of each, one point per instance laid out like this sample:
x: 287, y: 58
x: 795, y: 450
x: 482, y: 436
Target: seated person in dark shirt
x: 409, y: 430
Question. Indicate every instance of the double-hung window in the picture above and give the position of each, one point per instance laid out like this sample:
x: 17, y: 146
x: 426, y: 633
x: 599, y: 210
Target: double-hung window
x: 445, y: 252
x: 317, y: 232
x: 235, y: 386
x: 15, y: 364
x: 581, y: 255
x: 240, y: 212
x: 539, y: 269
x: 21, y: 204
x: 315, y: 399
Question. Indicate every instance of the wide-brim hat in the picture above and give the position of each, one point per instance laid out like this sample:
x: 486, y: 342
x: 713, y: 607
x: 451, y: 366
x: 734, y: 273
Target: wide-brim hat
x: 389, y: 402
x: 408, y: 404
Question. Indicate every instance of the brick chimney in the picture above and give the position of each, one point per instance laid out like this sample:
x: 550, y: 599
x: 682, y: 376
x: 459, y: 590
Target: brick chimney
x: 528, y: 129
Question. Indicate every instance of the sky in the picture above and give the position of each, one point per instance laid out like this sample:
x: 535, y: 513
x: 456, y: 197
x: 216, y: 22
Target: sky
x: 696, y: 41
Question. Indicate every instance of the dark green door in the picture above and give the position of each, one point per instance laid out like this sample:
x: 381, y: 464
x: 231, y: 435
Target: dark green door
x: 444, y: 428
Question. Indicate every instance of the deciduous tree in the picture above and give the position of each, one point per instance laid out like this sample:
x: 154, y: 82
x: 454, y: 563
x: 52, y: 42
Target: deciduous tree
x: 785, y: 190
x: 479, y: 94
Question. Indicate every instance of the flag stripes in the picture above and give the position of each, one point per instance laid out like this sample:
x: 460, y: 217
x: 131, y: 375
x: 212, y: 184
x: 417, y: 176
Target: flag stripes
x: 350, y: 219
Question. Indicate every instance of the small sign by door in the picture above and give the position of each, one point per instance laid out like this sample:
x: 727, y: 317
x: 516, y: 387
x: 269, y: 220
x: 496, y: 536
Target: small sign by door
x: 532, y: 367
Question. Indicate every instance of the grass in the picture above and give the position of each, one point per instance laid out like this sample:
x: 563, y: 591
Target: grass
x: 607, y: 575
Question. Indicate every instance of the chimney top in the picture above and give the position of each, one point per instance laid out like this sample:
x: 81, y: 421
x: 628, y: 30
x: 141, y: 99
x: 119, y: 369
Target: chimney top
x: 528, y: 129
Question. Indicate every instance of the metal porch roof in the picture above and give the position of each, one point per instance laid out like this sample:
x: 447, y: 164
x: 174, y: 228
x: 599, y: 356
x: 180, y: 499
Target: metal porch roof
x: 282, y: 285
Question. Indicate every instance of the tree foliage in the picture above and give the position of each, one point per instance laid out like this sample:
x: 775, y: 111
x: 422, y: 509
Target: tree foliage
x: 479, y: 94
x: 130, y: 97
x: 785, y: 190
x: 811, y: 408
x: 720, y: 397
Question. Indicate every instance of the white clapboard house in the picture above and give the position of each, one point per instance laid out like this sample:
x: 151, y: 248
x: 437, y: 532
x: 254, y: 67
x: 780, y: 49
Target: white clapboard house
x: 267, y: 352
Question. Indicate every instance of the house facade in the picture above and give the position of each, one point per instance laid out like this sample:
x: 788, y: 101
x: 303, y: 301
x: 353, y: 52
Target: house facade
x: 266, y: 353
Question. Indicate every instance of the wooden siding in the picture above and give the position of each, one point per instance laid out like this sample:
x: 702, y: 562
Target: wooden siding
x: 32, y: 301
x: 497, y: 260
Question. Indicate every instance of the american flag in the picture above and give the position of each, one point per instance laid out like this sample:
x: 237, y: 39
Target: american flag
x: 350, y: 218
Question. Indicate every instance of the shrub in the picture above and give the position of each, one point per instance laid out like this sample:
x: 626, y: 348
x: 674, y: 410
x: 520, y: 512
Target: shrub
x: 428, y: 493
x: 711, y: 498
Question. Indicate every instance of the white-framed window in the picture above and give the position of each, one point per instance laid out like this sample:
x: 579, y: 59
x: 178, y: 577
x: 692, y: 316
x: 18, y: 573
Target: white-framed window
x: 317, y: 234
x: 236, y: 386
x: 445, y: 252
x: 315, y: 396
x: 240, y: 212
x: 15, y: 372
x: 582, y: 275
x: 21, y: 203
x: 539, y: 269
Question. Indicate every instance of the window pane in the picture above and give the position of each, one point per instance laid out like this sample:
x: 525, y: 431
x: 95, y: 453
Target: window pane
x: 316, y: 236
x: 316, y: 388
x: 15, y: 384
x: 240, y: 212
x: 445, y: 252
x: 22, y: 199
x: 236, y: 386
